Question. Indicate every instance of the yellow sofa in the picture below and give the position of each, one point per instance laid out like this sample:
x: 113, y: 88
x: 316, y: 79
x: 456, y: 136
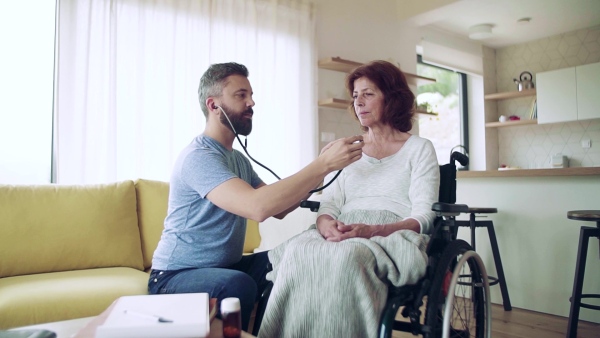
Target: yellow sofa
x: 68, y: 251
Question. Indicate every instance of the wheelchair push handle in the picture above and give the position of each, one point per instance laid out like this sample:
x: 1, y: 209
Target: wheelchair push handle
x: 460, y: 158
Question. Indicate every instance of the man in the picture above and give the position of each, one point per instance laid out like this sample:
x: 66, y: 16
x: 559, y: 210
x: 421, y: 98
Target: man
x: 213, y: 191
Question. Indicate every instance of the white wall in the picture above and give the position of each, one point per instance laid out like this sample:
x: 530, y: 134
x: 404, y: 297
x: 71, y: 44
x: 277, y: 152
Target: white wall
x: 359, y: 31
x: 478, y: 134
x: 488, y: 158
x: 538, y: 244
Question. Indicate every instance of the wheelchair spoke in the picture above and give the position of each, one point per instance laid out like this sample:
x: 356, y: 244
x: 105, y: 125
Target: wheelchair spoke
x: 465, y: 313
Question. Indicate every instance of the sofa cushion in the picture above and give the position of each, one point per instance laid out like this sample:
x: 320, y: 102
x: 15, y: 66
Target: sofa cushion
x: 152, y: 203
x: 50, y: 228
x: 252, y: 236
x: 50, y: 297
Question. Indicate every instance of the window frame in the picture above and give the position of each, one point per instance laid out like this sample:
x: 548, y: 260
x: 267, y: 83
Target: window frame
x: 463, y: 107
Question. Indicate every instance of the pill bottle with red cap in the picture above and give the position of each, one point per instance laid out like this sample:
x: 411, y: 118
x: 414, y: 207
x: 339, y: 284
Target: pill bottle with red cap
x: 232, y: 318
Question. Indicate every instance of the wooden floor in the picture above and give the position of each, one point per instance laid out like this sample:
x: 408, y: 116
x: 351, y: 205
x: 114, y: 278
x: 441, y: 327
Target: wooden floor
x: 525, y: 324
x: 520, y: 323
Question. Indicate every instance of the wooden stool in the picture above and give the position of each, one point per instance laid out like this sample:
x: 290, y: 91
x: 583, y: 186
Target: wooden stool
x: 584, y: 238
x: 472, y: 223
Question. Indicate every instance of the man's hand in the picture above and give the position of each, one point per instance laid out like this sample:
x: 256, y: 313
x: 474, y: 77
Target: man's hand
x: 340, y: 153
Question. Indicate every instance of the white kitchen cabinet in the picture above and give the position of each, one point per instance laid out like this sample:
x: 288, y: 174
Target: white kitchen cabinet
x: 557, y: 96
x: 569, y: 94
x: 588, y: 91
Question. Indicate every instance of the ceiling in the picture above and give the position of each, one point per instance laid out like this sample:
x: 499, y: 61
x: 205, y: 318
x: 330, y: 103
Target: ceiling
x: 548, y: 18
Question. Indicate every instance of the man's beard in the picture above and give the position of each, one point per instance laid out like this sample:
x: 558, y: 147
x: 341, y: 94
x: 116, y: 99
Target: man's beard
x: 241, y: 124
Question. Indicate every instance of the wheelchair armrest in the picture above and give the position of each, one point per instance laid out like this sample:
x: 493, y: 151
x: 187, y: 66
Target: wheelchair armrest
x: 312, y: 205
x: 448, y: 209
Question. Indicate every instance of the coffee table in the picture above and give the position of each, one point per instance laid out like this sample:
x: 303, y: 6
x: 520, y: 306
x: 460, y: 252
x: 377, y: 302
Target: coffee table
x: 86, y: 327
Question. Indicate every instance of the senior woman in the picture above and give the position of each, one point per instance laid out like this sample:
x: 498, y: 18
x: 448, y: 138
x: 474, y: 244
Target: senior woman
x: 372, y: 225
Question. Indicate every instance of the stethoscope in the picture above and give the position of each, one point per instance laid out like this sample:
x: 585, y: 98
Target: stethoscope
x: 245, y: 144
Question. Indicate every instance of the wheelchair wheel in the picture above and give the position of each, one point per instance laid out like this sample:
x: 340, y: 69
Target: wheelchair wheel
x: 458, y: 302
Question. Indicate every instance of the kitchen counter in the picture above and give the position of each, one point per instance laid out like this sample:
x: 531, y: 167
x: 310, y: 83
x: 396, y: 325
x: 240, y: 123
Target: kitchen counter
x: 581, y: 171
x: 538, y: 243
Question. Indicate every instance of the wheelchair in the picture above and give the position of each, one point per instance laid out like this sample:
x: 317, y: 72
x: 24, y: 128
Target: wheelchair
x: 454, y: 292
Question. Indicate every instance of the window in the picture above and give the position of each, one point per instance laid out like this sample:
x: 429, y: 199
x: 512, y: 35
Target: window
x: 446, y: 127
x: 26, y: 90
x: 122, y: 101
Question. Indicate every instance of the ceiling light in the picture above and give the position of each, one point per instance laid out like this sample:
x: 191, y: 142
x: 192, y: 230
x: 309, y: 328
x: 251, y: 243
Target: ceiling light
x: 523, y: 21
x: 479, y: 32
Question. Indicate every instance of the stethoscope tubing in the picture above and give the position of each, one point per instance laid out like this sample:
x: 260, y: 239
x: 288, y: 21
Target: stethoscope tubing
x: 264, y: 166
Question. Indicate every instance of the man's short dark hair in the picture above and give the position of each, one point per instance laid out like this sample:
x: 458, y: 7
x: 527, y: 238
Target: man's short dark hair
x: 213, y: 81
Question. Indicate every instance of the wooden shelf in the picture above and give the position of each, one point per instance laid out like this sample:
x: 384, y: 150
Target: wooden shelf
x: 335, y: 103
x: 338, y: 64
x: 576, y: 171
x: 346, y: 66
x: 344, y: 104
x: 510, y: 95
x: 509, y: 123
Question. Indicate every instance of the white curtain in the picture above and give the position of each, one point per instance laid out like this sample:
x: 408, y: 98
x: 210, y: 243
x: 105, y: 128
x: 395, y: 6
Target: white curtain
x: 128, y: 74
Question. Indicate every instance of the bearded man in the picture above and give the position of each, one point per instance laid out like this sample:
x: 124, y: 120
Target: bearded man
x: 214, y: 190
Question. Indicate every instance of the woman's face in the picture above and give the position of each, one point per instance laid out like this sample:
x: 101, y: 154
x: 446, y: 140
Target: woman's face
x: 368, y: 102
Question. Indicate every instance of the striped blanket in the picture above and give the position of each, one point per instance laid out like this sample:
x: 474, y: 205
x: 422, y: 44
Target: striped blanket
x: 329, y: 289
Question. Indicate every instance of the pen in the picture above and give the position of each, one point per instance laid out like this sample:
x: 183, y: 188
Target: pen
x: 148, y: 316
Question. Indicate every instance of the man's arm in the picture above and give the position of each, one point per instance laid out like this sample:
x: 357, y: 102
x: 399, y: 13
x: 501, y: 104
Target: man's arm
x: 238, y: 197
x: 282, y: 214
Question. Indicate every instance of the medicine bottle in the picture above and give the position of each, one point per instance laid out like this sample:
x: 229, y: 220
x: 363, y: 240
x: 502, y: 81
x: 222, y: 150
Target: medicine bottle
x: 232, y: 318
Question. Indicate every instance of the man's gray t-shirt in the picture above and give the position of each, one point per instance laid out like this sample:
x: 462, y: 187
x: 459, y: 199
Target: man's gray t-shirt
x: 198, y: 233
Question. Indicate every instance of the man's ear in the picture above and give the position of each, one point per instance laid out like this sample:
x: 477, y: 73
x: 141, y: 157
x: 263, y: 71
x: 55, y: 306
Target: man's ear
x: 211, y: 104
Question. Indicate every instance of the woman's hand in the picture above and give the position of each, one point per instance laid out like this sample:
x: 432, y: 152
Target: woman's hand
x: 328, y: 227
x: 367, y: 231
x: 359, y: 230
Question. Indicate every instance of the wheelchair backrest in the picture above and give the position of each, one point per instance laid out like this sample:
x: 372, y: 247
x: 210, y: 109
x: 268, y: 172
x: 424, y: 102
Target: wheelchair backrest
x: 447, y: 183
x: 448, y: 177
x: 443, y: 229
